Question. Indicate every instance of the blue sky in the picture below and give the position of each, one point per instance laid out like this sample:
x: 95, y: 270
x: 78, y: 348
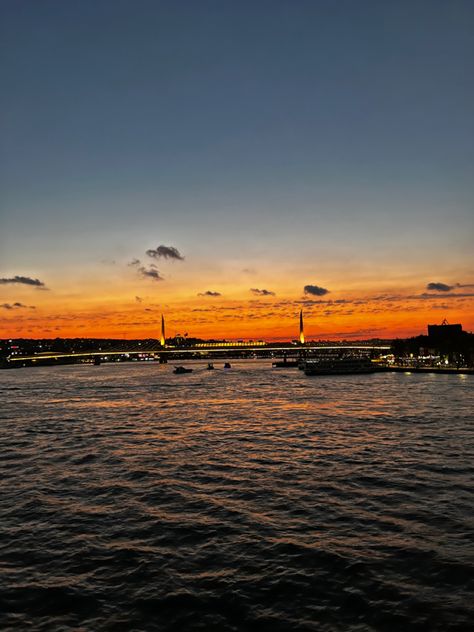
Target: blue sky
x: 269, y: 132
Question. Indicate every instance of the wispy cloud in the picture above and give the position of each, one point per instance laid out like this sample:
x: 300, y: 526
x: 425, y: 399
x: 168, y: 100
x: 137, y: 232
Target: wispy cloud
x: 16, y: 306
x: 445, y: 295
x: 315, y: 290
x: 209, y: 293
x: 309, y: 301
x: 22, y: 281
x: 356, y: 333
x: 165, y: 252
x: 439, y: 287
x: 150, y: 273
x: 443, y: 287
x: 258, y: 292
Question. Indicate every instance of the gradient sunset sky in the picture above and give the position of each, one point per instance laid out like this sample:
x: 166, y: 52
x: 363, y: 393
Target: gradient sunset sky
x: 229, y: 163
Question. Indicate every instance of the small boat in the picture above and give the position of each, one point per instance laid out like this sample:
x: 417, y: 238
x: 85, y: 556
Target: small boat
x: 227, y: 365
x: 181, y: 369
x: 210, y: 366
x: 339, y: 366
x: 97, y: 361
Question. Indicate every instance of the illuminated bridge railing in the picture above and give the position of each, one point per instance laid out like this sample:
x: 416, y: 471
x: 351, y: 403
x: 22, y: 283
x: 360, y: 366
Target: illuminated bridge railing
x: 226, y: 345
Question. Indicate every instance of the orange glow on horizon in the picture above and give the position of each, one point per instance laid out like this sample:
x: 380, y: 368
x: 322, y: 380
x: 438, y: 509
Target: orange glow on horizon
x: 117, y: 306
x: 234, y: 320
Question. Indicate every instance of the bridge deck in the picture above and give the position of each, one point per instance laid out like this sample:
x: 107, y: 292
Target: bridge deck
x: 202, y: 350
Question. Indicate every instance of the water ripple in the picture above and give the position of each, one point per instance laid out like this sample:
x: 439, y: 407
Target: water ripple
x: 252, y: 499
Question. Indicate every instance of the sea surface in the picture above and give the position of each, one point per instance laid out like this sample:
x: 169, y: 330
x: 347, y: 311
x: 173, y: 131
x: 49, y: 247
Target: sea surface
x: 243, y: 499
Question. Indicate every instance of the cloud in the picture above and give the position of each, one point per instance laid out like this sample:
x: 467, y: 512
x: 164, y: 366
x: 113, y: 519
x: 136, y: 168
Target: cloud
x: 17, y: 306
x: 209, y: 293
x: 138, y: 299
x: 315, y: 290
x: 443, y: 287
x: 151, y: 272
x: 258, y: 292
x: 439, y: 287
x: 23, y: 281
x: 134, y: 262
x: 249, y: 271
x: 351, y: 334
x: 427, y: 295
x: 165, y: 252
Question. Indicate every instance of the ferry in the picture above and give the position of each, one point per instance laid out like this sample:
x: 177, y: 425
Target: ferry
x: 339, y: 366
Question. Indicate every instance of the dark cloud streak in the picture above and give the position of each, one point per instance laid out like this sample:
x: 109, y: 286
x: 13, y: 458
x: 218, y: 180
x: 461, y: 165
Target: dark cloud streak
x: 150, y: 273
x: 258, y: 292
x: 16, y: 306
x: 439, y: 287
x: 315, y: 290
x: 427, y: 296
x: 23, y: 281
x: 165, y: 252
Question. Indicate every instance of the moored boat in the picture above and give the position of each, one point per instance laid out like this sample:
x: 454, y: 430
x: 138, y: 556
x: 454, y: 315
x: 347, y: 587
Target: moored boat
x: 181, y: 369
x: 339, y: 366
x: 284, y: 364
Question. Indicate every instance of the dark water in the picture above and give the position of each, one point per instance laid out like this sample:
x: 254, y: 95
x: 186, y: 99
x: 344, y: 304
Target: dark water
x: 249, y: 499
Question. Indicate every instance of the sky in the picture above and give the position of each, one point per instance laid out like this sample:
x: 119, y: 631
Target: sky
x: 230, y: 163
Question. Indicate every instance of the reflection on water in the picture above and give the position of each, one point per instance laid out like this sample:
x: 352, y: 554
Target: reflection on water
x: 250, y: 499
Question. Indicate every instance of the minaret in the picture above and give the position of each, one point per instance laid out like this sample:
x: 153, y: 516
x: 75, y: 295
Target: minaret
x: 301, y: 328
x: 162, y: 339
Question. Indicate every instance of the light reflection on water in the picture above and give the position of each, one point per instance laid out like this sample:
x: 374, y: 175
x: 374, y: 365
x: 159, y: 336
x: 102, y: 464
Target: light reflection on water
x: 254, y: 498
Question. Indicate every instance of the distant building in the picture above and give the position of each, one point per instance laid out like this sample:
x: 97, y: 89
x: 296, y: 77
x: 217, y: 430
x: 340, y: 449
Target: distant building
x: 444, y: 331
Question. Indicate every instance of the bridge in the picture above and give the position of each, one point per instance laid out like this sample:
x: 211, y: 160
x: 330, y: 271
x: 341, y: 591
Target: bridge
x: 168, y: 352
x: 161, y: 351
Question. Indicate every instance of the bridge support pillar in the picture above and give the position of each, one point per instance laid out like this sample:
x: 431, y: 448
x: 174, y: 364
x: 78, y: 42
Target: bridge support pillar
x: 163, y: 357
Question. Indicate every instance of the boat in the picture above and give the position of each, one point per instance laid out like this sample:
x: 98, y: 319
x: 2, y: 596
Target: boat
x: 181, y: 369
x: 339, y: 366
x: 210, y: 366
x: 227, y: 365
x: 283, y: 364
